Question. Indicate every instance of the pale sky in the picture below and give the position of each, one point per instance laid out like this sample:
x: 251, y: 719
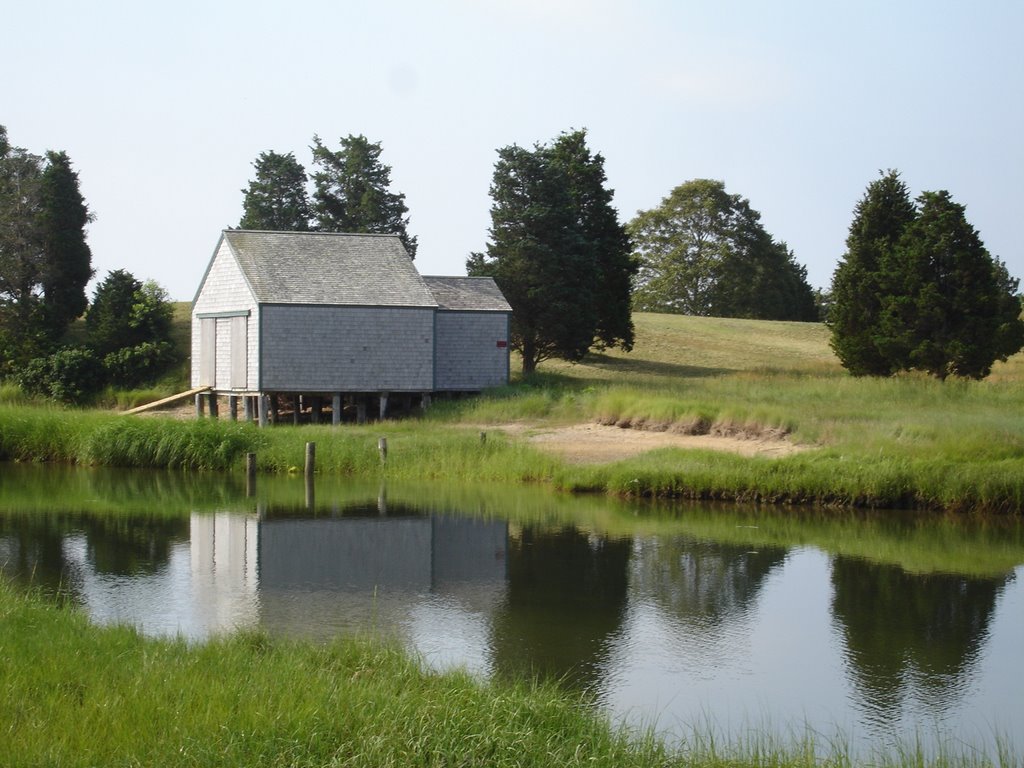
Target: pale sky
x: 795, y: 105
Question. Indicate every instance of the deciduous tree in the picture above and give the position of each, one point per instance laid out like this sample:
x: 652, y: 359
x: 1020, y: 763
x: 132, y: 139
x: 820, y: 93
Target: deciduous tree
x: 352, y: 191
x: 21, y: 263
x: 704, y: 251
x: 45, y: 262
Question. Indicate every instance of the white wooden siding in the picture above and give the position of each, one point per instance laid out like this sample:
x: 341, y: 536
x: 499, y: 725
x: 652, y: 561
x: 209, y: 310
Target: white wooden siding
x: 239, y: 352
x: 225, y: 290
x: 207, y: 352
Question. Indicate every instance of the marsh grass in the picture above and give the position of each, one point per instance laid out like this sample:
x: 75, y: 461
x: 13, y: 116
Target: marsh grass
x: 905, y: 441
x: 74, y: 694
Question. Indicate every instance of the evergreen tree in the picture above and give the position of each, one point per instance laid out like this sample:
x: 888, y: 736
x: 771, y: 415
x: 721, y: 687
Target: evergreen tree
x: 276, y: 199
x: 880, y: 219
x: 608, y: 243
x: 67, y: 269
x: 126, y: 313
x: 351, y: 191
x: 704, y: 251
x: 539, y: 258
x: 108, y: 323
x: 947, y: 307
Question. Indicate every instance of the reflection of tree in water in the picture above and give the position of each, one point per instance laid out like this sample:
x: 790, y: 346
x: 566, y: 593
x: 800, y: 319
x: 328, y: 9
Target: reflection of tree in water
x: 566, y: 596
x: 132, y: 546
x: 900, y: 628
x: 34, y: 551
x: 701, y: 583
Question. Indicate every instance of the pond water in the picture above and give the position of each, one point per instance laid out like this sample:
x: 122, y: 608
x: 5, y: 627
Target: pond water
x: 876, y: 629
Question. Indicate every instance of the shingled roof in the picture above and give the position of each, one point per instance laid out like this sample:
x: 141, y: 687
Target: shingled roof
x: 480, y: 294
x: 328, y: 268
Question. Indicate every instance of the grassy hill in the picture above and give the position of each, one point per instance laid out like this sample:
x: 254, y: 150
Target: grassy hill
x: 906, y: 440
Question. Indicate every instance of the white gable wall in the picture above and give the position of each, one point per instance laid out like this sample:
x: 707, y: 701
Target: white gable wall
x: 225, y: 292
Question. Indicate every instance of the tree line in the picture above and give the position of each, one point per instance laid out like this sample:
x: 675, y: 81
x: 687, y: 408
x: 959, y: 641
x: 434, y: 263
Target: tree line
x: 915, y: 290
x: 351, y: 193
x: 45, y: 267
x: 570, y: 269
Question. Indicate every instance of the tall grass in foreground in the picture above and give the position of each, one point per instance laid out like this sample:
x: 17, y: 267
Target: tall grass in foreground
x: 73, y: 694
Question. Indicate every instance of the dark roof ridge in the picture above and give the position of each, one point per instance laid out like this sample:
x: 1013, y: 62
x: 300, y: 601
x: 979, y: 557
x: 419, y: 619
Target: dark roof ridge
x: 295, y: 232
x: 459, y: 277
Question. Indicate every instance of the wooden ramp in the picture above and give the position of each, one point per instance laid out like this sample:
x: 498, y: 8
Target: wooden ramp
x: 166, y: 400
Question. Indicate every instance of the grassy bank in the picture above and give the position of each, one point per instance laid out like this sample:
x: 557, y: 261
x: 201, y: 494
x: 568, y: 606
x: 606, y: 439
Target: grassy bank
x: 970, y: 474
x: 73, y: 694
x: 905, y: 441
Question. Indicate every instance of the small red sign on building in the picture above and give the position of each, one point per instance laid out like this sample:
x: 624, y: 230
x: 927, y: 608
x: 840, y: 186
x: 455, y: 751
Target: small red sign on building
x: 502, y: 344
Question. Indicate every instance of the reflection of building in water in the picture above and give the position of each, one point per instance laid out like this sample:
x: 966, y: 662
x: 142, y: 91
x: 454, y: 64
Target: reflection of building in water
x: 322, y: 576
x: 224, y: 569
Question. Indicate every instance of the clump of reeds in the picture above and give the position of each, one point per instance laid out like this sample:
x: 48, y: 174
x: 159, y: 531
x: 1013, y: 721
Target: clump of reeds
x: 169, y: 443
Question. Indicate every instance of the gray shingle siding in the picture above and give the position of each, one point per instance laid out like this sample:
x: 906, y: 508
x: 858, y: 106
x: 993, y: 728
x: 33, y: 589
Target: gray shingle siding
x: 345, y: 313
x: 347, y: 349
x: 468, y: 355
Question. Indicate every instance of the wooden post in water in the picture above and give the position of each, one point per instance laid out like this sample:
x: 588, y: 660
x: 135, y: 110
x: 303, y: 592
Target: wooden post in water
x: 382, y: 449
x: 310, y: 469
x: 310, y: 459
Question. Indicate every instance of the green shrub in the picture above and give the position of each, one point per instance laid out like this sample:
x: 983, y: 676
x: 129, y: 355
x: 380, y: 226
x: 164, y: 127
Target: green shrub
x: 138, y: 365
x: 69, y: 375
